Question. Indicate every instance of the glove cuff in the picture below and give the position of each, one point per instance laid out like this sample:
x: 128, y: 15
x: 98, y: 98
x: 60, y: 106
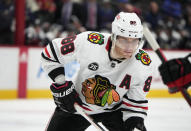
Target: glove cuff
x: 58, y: 86
x: 65, y: 88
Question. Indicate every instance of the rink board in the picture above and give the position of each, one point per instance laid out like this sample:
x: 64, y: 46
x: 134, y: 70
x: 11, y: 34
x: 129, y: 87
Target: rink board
x: 42, y: 93
x: 36, y: 83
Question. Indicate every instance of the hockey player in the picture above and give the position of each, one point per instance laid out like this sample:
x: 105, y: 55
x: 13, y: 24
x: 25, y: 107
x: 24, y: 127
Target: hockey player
x: 113, y: 80
x: 176, y: 73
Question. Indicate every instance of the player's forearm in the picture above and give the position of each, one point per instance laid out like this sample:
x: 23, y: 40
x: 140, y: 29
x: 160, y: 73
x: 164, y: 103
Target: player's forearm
x: 57, y: 75
x: 54, y: 70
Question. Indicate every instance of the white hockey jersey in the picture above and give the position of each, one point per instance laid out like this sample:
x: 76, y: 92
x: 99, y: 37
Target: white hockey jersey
x: 103, y: 84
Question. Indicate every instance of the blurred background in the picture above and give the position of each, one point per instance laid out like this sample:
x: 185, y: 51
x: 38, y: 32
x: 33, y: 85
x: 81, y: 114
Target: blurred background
x: 26, y: 26
x: 44, y: 20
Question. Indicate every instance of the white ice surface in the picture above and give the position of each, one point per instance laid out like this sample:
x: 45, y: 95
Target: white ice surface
x: 33, y: 115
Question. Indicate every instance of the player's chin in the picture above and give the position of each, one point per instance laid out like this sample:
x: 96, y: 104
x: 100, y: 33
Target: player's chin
x: 127, y: 55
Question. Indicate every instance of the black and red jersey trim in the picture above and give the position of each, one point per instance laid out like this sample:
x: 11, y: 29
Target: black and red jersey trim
x: 135, y: 101
x: 124, y: 109
x: 135, y: 106
x: 53, y: 52
x: 46, y: 58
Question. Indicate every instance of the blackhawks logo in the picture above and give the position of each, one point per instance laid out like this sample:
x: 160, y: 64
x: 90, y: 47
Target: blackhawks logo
x: 99, y: 91
x: 96, y: 38
x: 144, y: 57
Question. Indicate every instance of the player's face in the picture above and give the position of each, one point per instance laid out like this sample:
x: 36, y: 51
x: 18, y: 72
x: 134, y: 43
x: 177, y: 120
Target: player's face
x: 125, y: 47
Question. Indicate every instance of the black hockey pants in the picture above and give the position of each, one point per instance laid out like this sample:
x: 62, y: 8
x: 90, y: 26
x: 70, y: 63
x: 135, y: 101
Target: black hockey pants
x: 63, y: 121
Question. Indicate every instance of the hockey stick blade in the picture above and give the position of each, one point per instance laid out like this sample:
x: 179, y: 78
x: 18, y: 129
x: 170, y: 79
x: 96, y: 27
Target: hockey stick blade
x: 87, y: 117
x: 155, y: 46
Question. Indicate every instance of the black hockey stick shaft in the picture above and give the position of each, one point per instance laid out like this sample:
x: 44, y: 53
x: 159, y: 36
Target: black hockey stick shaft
x: 155, y: 46
x: 87, y: 117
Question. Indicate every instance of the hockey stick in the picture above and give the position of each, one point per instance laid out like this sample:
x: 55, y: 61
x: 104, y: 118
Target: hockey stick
x: 155, y: 46
x: 87, y: 117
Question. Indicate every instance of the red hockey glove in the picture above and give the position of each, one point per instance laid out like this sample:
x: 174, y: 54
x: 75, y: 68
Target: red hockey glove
x: 135, y: 123
x: 65, y: 96
x: 176, y: 73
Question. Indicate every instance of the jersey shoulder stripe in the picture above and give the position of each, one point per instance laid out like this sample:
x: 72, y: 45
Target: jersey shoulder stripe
x: 53, y: 52
x: 47, y: 53
x: 46, y: 58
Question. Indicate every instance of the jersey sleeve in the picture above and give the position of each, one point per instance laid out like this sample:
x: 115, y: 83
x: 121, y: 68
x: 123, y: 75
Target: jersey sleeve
x: 56, y: 54
x: 134, y: 102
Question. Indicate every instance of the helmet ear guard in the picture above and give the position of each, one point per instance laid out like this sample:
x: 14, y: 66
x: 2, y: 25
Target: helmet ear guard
x: 127, y: 25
